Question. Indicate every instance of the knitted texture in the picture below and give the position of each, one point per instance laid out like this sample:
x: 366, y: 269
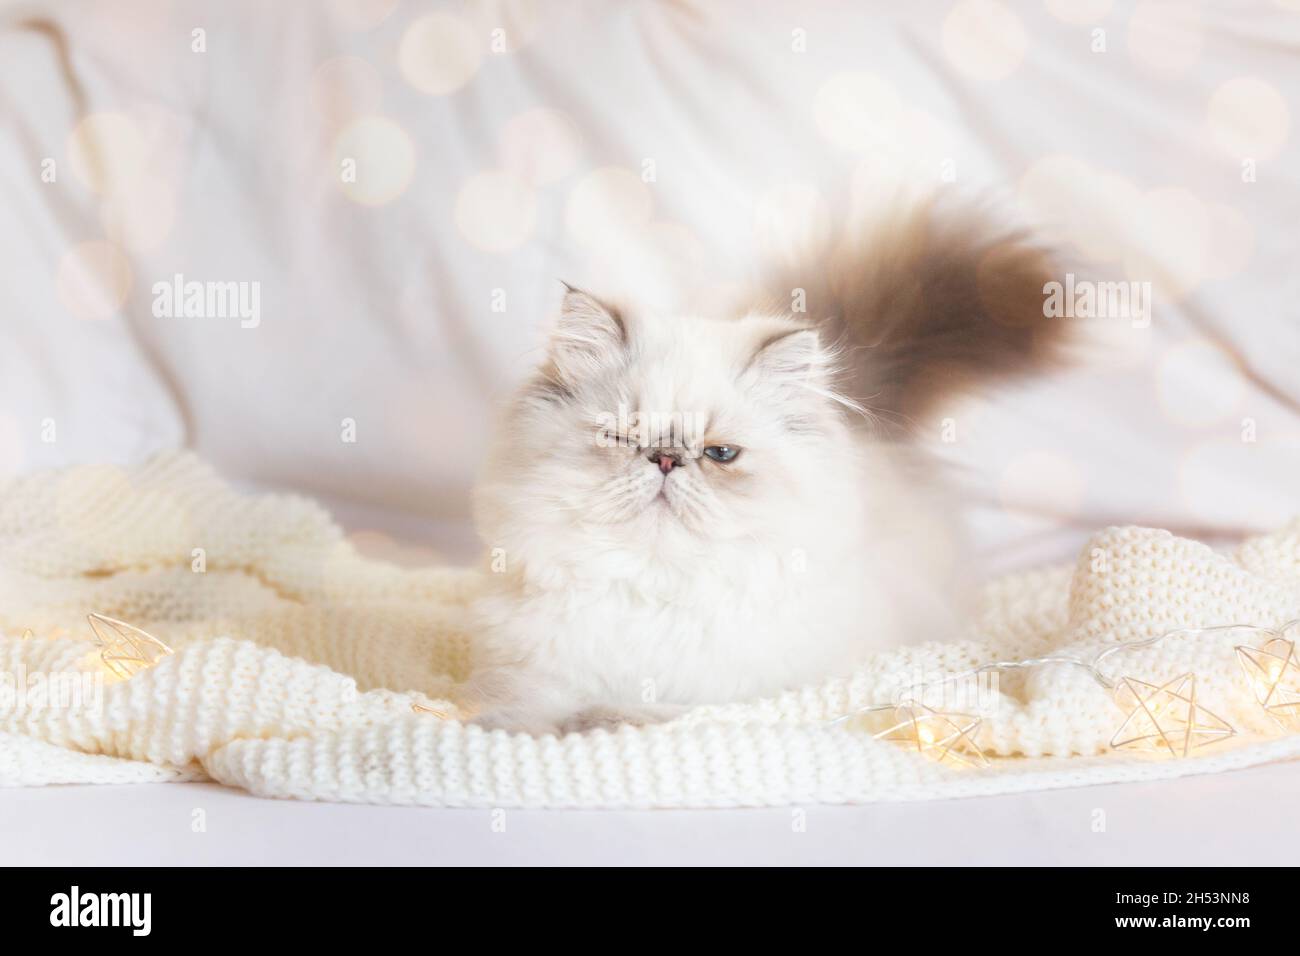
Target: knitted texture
x: 298, y: 661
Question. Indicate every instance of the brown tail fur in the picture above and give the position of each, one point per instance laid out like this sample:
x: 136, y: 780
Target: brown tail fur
x: 927, y: 299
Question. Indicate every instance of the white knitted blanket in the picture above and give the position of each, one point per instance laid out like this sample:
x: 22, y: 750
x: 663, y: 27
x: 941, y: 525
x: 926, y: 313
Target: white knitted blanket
x: 297, y: 662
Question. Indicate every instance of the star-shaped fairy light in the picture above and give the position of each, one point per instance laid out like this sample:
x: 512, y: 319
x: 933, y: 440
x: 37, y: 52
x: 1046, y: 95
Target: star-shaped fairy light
x: 124, y: 649
x: 1274, y: 675
x: 947, y: 738
x: 1166, y: 718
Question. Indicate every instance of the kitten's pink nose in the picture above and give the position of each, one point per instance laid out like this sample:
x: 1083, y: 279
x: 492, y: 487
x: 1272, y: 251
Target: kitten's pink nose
x: 667, y: 462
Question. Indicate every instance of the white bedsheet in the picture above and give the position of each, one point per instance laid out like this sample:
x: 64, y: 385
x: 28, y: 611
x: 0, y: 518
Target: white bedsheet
x: 662, y: 147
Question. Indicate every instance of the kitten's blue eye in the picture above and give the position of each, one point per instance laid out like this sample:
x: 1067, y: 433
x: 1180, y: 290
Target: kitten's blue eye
x: 722, y: 453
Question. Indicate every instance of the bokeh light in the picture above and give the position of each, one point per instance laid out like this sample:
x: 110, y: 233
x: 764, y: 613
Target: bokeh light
x: 1248, y: 117
x: 374, y: 160
x: 94, y: 279
x: 439, y: 53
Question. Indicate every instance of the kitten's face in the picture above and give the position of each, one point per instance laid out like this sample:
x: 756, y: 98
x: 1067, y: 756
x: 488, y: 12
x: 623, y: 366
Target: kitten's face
x: 653, y: 436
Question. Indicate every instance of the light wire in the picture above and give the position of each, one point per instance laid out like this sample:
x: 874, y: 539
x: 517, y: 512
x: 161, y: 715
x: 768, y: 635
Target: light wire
x: 1093, y: 667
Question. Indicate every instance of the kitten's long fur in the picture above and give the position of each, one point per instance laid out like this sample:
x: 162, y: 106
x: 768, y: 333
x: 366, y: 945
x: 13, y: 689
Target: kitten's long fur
x: 630, y: 589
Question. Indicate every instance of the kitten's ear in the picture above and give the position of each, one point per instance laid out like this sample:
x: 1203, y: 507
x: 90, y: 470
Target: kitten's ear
x: 589, y: 336
x: 793, y: 354
x: 796, y: 373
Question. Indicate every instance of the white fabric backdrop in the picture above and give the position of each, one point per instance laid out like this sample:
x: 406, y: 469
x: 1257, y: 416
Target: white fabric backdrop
x: 662, y: 147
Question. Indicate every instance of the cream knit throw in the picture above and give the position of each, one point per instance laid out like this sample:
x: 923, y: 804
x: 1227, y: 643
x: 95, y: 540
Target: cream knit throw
x: 297, y: 663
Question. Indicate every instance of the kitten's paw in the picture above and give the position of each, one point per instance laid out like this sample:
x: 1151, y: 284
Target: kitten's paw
x: 611, y: 719
x: 516, y: 720
x: 594, y: 718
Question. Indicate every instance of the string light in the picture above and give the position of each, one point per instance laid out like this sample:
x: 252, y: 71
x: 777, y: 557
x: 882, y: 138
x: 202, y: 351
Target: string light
x: 945, y: 737
x: 1274, y: 676
x: 125, y: 649
x: 1167, y: 718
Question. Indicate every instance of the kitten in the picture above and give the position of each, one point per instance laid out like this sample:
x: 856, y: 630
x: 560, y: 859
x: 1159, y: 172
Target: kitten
x: 694, y: 510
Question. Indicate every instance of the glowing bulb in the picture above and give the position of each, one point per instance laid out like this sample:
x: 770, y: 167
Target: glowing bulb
x: 1167, y: 718
x: 1273, y: 673
x: 125, y: 650
x: 947, y: 738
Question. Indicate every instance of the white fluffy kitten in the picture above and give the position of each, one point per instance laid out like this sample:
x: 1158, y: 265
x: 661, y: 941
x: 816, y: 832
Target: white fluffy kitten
x: 688, y: 510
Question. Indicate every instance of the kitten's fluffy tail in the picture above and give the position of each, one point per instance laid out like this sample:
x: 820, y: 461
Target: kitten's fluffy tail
x: 927, y: 298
